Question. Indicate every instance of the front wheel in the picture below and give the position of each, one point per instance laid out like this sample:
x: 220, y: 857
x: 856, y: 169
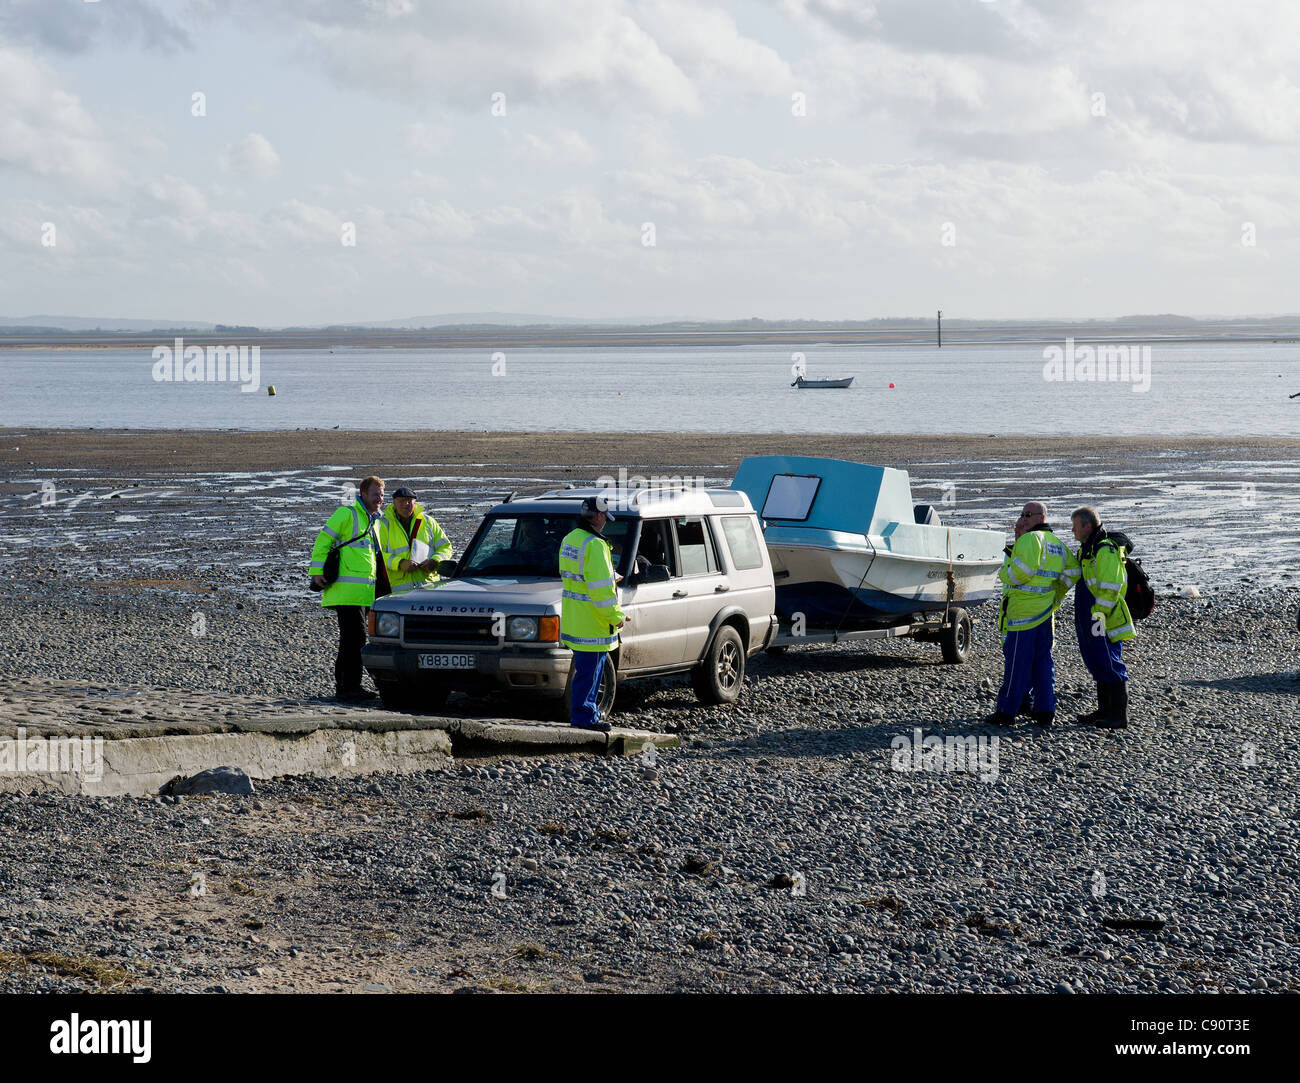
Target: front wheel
x: 408, y: 698
x: 720, y: 676
x: 956, y: 638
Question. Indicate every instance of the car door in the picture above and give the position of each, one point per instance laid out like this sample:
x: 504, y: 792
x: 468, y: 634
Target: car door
x: 655, y: 634
x: 703, y: 582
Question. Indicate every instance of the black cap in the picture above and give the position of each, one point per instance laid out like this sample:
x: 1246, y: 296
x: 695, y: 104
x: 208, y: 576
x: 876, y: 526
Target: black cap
x: 594, y: 505
x: 403, y: 491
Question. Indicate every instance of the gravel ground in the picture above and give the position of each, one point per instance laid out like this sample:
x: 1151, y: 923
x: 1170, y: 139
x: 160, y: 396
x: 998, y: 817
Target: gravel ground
x: 778, y: 849
x: 686, y: 875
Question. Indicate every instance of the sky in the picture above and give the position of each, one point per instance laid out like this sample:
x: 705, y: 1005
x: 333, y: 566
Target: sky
x: 323, y: 161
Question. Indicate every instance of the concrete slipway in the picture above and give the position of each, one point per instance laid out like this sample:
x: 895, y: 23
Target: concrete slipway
x: 82, y: 738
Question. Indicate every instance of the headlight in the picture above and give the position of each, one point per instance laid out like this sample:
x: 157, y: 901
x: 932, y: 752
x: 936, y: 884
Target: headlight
x: 388, y: 625
x: 521, y: 628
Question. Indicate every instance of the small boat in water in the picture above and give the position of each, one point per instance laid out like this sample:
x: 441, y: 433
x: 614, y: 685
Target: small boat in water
x: 799, y: 381
x: 850, y: 550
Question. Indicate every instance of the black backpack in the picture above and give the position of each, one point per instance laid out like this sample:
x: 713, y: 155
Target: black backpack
x: 1139, y: 596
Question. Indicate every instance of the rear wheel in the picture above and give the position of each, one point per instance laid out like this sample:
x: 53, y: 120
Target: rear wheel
x: 720, y: 676
x: 955, y: 640
x: 604, y: 697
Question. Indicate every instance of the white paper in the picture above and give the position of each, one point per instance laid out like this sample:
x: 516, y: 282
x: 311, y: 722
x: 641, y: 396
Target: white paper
x: 419, y: 551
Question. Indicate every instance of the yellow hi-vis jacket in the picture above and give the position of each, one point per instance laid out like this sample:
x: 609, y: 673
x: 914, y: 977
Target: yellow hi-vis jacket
x: 1036, y: 576
x: 356, y: 582
x: 395, y: 546
x: 589, y: 609
x: 1104, y: 572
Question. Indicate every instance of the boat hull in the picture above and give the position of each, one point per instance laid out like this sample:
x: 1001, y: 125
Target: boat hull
x: 802, y: 382
x: 872, y: 588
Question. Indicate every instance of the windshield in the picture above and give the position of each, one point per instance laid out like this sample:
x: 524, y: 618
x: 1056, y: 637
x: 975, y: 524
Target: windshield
x: 529, y: 545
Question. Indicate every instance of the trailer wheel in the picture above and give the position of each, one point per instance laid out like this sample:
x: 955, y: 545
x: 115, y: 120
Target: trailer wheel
x: 955, y: 639
x: 720, y: 676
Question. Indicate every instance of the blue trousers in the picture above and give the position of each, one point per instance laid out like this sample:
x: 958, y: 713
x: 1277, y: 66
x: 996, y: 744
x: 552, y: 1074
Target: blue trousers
x: 1027, y: 658
x: 1103, y: 657
x: 588, y: 666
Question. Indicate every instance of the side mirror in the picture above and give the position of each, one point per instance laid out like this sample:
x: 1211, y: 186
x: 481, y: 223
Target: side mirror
x: 448, y: 567
x: 656, y: 573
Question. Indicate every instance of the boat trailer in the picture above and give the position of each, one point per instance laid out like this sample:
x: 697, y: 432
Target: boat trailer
x: 952, y: 631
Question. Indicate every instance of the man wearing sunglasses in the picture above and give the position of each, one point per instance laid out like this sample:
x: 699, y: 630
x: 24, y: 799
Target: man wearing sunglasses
x: 1036, y: 576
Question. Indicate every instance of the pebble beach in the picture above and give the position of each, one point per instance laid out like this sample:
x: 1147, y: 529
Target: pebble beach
x: 780, y: 848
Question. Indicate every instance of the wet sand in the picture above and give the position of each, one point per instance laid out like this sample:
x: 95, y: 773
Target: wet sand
x: 196, y: 450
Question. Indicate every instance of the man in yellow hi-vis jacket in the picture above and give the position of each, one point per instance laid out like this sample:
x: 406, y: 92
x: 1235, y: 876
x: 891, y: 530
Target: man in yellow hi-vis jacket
x: 1101, y: 617
x: 1036, y: 576
x: 404, y: 524
x: 350, y: 530
x: 590, y: 616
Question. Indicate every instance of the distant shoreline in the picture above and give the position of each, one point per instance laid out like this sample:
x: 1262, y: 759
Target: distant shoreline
x: 631, y: 338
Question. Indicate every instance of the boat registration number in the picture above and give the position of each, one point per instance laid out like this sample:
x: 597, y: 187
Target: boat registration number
x: 446, y: 661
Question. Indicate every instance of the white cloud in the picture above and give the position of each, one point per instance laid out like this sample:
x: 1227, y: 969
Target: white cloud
x: 565, y: 147
x: 47, y: 131
x: 174, y: 194
x: 588, y: 54
x: 74, y: 26
x: 252, y: 158
x: 426, y: 138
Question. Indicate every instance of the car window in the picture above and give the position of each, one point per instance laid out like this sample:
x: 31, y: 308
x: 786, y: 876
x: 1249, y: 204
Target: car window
x: 526, y: 545
x: 742, y: 541
x: 695, y: 547
x: 617, y: 534
x: 656, y: 546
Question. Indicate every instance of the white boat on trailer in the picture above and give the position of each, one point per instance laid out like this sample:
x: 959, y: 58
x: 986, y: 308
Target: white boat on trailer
x: 854, y: 558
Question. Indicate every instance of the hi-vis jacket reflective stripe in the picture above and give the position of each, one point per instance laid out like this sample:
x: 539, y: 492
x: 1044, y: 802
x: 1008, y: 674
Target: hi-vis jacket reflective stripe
x: 395, y: 547
x: 1036, y: 576
x: 589, y: 609
x: 356, y: 582
x: 1107, y: 578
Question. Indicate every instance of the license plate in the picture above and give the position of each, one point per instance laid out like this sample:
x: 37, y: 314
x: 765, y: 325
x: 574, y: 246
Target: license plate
x: 446, y: 661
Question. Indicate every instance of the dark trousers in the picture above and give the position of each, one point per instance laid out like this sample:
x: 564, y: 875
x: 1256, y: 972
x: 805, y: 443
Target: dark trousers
x: 1103, y: 657
x: 352, y: 637
x: 1028, y: 669
x: 588, y: 666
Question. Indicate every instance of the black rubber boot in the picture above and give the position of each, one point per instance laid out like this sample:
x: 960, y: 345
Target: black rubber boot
x: 1026, y: 708
x: 997, y: 718
x: 1043, y: 720
x: 1117, y: 716
x: 1103, y: 707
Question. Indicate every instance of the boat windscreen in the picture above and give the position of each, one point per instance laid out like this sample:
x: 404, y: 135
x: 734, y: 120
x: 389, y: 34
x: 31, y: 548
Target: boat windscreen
x: 791, y: 496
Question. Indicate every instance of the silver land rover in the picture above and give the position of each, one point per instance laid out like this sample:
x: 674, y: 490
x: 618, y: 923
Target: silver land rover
x: 695, y: 582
